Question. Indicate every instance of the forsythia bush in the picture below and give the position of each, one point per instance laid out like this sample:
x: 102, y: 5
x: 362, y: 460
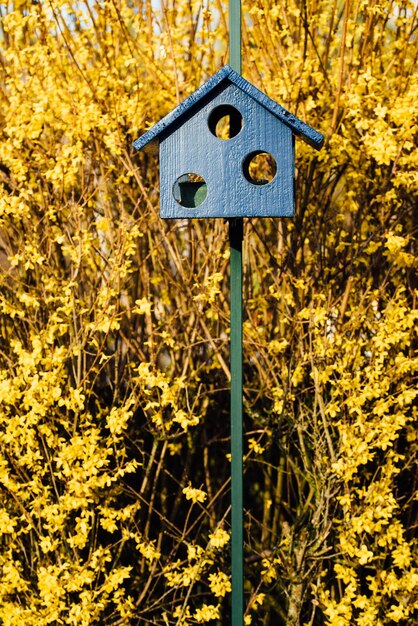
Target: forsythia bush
x: 114, y: 325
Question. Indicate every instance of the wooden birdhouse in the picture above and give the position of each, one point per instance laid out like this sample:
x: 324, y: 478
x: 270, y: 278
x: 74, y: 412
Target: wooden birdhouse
x: 227, y: 151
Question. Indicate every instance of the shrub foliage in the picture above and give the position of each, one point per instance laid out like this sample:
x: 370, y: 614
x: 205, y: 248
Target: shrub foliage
x: 114, y: 365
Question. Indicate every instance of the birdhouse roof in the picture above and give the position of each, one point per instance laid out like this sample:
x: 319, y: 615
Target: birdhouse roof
x: 299, y: 128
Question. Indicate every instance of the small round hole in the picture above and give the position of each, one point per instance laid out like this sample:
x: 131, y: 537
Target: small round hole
x: 225, y: 121
x: 260, y: 168
x: 190, y: 190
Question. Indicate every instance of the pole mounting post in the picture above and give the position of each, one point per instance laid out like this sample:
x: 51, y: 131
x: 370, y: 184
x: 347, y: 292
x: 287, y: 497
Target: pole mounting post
x: 236, y: 235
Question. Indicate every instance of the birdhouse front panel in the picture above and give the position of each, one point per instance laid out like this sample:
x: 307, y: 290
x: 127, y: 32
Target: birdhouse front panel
x: 227, y: 156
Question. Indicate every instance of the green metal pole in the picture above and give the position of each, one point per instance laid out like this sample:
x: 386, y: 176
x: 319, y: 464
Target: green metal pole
x: 237, y: 540
x: 235, y: 241
x: 235, y: 35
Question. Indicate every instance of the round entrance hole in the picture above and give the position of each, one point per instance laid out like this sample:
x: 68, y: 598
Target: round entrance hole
x: 190, y: 190
x: 260, y: 168
x: 225, y: 121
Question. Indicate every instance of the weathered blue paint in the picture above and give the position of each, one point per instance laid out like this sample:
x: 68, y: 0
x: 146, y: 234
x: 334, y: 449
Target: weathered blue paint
x: 191, y: 147
x: 187, y: 145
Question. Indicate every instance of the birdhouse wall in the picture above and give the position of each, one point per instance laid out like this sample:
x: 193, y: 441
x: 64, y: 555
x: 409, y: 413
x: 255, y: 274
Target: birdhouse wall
x: 190, y: 147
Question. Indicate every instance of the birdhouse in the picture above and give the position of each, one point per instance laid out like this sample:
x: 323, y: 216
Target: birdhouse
x: 227, y: 151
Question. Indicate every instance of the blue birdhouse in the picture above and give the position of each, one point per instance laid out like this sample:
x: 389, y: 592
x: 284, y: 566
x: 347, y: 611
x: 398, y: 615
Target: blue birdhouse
x: 227, y: 151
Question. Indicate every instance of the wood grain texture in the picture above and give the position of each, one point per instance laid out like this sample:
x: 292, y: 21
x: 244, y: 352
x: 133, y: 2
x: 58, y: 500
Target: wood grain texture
x: 228, y: 75
x: 187, y: 146
x: 190, y: 146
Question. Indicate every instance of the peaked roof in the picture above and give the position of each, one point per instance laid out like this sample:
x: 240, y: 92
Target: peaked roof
x: 299, y: 128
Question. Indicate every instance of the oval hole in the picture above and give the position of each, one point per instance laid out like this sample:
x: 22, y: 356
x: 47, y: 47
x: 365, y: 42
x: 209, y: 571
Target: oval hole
x: 225, y: 121
x: 190, y: 190
x: 260, y: 168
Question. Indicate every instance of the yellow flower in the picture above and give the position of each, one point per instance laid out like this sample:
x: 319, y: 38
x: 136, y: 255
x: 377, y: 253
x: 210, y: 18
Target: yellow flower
x: 142, y: 307
x: 364, y: 555
x: 397, y: 612
x: 219, y: 538
x: 220, y: 584
x: 148, y: 550
x: 196, y: 495
x: 207, y: 613
x: 255, y: 447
